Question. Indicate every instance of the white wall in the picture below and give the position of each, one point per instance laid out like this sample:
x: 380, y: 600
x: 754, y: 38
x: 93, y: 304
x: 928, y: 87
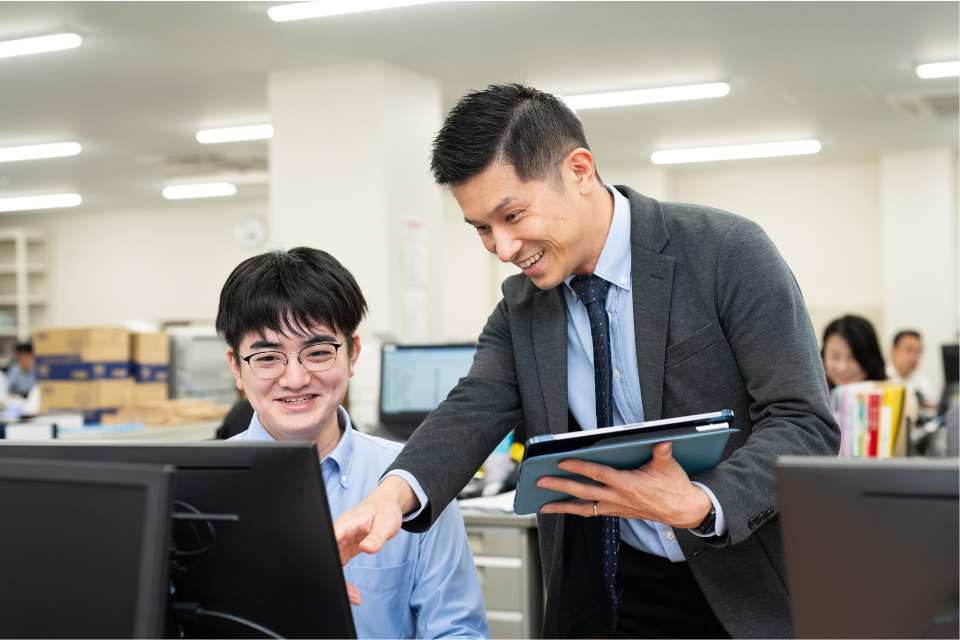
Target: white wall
x: 824, y: 219
x: 919, y: 223
x: 161, y: 264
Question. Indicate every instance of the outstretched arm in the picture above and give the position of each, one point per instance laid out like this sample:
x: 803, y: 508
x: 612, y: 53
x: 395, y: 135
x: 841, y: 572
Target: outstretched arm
x: 366, y: 527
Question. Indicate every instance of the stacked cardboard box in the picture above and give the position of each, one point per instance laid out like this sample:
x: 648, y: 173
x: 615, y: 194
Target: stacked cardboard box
x: 86, y: 370
x: 150, y: 366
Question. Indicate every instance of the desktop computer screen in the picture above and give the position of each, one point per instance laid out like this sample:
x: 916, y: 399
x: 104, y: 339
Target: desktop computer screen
x: 255, y: 549
x: 415, y: 379
x: 85, y: 549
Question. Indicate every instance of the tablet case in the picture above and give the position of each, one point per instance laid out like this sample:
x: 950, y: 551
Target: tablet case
x: 696, y: 453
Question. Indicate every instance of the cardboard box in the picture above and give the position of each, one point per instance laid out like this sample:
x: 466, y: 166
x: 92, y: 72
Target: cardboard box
x: 150, y: 348
x: 150, y: 372
x: 85, y: 395
x: 93, y: 344
x: 82, y: 354
x: 146, y: 392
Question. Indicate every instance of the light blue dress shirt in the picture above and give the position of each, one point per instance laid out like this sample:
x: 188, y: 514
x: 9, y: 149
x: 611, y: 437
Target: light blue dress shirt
x: 418, y: 585
x: 614, y: 267
x: 20, y: 381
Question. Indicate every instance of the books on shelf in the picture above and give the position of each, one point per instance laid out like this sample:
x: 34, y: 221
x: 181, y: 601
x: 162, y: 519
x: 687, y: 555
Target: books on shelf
x: 875, y: 419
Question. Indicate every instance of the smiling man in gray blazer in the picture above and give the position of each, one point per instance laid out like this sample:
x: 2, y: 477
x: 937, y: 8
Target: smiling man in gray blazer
x: 628, y: 309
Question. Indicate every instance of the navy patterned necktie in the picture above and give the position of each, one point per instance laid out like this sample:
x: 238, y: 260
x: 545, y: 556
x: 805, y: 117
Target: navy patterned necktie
x: 592, y: 291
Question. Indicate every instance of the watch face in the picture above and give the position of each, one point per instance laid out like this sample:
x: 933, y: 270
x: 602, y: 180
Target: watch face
x: 707, y: 523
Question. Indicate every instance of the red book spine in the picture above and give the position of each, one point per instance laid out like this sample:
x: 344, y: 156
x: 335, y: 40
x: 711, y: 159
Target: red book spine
x: 873, y: 423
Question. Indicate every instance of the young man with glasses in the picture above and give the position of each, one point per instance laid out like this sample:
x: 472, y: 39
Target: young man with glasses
x: 289, y: 319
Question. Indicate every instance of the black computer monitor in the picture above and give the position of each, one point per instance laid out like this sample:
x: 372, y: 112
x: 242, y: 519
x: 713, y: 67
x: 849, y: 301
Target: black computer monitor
x: 414, y: 379
x: 871, y: 546
x: 276, y: 566
x: 84, y: 549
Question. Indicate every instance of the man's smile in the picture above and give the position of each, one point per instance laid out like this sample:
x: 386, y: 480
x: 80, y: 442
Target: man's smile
x: 529, y: 262
x: 298, y: 400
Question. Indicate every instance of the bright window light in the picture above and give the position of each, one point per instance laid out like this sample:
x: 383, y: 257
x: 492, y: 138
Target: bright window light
x: 39, y: 202
x: 39, y: 45
x: 232, y: 134
x: 199, y: 190
x: 39, y: 151
x: 647, y: 96
x: 322, y: 8
x: 768, y: 150
x: 939, y: 70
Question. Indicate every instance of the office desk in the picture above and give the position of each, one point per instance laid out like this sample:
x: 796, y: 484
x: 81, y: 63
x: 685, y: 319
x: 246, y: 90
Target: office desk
x: 187, y: 431
x: 507, y: 554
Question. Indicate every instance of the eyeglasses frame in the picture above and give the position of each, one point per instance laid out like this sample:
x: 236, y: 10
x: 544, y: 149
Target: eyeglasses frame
x: 286, y: 360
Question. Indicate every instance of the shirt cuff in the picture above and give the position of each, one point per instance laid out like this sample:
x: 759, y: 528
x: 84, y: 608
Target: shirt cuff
x: 417, y: 489
x: 720, y: 524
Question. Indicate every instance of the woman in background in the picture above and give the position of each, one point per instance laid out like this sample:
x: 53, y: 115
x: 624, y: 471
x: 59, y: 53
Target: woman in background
x: 851, y: 352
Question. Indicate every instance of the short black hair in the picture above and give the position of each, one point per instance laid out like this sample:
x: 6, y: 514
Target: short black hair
x: 289, y: 291
x: 25, y: 347
x: 513, y: 123
x: 859, y: 334
x: 905, y: 332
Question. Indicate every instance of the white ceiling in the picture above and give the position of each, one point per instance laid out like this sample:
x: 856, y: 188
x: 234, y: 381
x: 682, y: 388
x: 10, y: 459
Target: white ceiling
x: 150, y: 74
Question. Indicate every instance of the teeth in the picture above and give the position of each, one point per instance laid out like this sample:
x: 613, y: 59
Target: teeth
x: 299, y: 400
x: 531, y: 261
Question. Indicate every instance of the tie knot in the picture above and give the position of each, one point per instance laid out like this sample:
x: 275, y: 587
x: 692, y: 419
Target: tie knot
x: 590, y: 288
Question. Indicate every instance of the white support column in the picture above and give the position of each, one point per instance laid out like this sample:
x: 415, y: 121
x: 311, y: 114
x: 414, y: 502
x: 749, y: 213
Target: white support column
x: 918, y: 217
x: 349, y: 167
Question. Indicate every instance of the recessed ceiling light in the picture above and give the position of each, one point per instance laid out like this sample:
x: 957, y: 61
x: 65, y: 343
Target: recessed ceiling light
x: 939, y: 70
x: 199, y: 190
x: 40, y: 202
x: 39, y: 151
x: 738, y: 152
x: 233, y: 134
x: 647, y: 96
x: 39, y: 45
x: 302, y: 10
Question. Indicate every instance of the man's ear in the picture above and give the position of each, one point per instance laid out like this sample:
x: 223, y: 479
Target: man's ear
x: 234, y: 368
x: 580, y: 166
x: 355, y: 352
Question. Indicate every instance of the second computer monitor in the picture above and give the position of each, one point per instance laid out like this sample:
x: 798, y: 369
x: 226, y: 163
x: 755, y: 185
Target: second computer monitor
x: 414, y: 379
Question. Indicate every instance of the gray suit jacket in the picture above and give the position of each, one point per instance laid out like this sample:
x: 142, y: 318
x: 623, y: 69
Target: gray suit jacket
x: 720, y: 324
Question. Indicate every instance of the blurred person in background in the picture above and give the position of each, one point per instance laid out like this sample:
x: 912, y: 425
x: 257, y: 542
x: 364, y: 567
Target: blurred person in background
x: 851, y: 352
x: 904, y: 358
x: 22, y: 374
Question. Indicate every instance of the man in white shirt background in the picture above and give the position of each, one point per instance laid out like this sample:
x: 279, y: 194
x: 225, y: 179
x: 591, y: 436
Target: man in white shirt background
x: 902, y: 368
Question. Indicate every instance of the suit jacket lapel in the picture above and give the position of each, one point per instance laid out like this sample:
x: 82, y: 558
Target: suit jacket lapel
x: 549, y: 330
x: 652, y: 274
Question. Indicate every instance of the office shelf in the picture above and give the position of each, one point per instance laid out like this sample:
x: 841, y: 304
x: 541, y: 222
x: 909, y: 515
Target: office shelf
x: 23, y: 255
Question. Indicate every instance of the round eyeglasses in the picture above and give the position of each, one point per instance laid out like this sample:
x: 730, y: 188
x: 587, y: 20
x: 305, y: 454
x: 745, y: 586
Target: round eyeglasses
x: 271, y: 364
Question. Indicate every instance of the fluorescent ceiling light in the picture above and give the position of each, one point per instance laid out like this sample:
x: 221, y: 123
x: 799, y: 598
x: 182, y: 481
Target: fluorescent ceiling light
x: 39, y: 45
x: 39, y: 202
x: 768, y: 150
x: 302, y: 10
x: 39, y: 151
x: 647, y: 96
x: 939, y: 70
x: 199, y: 190
x: 232, y: 134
